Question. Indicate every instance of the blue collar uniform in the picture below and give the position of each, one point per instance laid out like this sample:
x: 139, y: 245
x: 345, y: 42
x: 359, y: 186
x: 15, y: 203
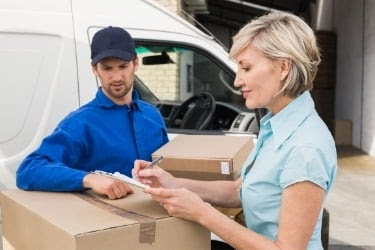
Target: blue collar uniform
x: 100, y: 135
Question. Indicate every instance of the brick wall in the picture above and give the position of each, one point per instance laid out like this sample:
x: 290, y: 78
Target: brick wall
x: 172, y: 5
x: 163, y: 80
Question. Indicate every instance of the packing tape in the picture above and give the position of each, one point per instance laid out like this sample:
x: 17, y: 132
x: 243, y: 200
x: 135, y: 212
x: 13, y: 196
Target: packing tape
x: 147, y: 224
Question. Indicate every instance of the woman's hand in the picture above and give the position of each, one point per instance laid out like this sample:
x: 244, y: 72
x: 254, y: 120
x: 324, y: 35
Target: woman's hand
x: 106, y: 185
x: 153, y: 177
x: 180, y: 202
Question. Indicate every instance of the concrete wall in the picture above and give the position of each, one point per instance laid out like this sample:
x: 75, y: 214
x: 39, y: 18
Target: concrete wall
x: 349, y: 83
x: 368, y: 125
x: 355, y: 85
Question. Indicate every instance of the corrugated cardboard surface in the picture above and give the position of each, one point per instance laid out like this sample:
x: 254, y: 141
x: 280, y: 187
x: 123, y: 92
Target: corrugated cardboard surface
x: 343, y: 132
x: 54, y: 221
x: 205, y: 157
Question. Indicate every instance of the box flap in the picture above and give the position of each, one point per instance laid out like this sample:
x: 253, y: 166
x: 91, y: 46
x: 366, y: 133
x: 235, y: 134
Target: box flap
x: 47, y: 220
x: 75, y: 216
x: 203, y: 146
x: 140, y: 202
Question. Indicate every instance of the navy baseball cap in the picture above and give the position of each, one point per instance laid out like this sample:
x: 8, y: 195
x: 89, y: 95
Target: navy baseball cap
x: 112, y: 42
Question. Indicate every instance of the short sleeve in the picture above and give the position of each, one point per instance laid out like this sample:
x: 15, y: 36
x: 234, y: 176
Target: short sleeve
x: 306, y: 164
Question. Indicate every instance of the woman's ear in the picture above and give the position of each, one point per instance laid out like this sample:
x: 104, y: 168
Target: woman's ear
x: 285, y: 66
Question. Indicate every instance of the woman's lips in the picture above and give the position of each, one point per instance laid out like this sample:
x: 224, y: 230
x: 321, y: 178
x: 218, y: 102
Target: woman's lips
x: 245, y: 93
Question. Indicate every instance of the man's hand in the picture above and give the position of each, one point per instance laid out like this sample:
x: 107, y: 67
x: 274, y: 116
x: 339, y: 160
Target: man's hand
x: 106, y: 185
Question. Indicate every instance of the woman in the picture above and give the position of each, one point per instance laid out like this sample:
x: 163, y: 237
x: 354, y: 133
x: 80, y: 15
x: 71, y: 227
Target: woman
x: 288, y: 174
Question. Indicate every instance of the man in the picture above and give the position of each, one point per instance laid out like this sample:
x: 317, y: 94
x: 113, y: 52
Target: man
x: 107, y: 134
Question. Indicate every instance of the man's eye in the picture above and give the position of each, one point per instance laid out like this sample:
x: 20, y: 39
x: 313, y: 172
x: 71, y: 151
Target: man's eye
x: 246, y: 69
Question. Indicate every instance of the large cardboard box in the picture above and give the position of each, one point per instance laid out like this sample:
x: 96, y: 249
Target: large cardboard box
x: 205, y: 157
x: 81, y: 221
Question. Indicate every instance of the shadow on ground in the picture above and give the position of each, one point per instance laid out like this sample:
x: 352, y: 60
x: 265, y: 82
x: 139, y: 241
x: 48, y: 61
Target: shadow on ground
x: 343, y: 247
x: 339, y: 245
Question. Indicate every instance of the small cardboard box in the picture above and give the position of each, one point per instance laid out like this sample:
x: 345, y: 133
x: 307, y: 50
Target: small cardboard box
x: 343, y: 132
x: 205, y: 157
x: 82, y: 221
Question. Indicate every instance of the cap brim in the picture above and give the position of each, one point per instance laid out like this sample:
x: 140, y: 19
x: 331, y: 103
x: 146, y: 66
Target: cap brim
x: 112, y: 53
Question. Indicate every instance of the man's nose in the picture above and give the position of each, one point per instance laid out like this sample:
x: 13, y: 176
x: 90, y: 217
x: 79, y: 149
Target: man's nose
x: 117, y: 75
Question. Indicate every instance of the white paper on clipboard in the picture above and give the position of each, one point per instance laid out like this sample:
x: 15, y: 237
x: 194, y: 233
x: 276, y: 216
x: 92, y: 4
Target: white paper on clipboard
x: 121, y: 177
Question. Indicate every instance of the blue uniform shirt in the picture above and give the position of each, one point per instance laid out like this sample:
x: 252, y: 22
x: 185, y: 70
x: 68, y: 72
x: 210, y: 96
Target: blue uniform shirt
x: 293, y: 146
x: 100, y: 135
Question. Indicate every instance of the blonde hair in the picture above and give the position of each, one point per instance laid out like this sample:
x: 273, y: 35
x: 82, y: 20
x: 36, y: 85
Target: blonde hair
x: 283, y: 36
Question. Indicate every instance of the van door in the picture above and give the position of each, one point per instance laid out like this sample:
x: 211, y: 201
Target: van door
x: 38, y: 76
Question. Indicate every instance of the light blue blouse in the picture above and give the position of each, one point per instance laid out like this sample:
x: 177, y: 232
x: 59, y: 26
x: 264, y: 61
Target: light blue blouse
x: 294, y: 145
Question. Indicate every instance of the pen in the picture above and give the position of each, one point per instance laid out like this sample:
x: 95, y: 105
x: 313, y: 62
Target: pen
x: 156, y: 161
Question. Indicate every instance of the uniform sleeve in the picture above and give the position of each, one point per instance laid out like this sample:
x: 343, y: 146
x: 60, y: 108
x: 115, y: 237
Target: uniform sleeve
x: 306, y: 164
x: 49, y: 168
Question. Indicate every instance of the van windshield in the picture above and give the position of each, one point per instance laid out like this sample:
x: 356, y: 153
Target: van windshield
x: 192, y: 89
x: 175, y: 73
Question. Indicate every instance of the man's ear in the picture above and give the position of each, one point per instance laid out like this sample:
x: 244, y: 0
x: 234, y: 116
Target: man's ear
x: 136, y: 63
x: 285, y: 66
x: 94, y: 70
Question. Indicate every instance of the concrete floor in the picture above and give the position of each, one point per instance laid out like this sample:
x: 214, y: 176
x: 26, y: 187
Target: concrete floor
x: 351, y: 203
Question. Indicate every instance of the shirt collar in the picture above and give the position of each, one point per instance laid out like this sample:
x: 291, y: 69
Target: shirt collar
x: 104, y: 102
x: 285, y: 122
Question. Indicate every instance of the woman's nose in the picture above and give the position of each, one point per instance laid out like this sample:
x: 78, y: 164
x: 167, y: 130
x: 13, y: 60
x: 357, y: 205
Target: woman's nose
x: 238, y: 82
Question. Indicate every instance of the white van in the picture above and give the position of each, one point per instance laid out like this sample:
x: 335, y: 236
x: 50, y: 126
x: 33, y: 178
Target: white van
x: 45, y: 69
